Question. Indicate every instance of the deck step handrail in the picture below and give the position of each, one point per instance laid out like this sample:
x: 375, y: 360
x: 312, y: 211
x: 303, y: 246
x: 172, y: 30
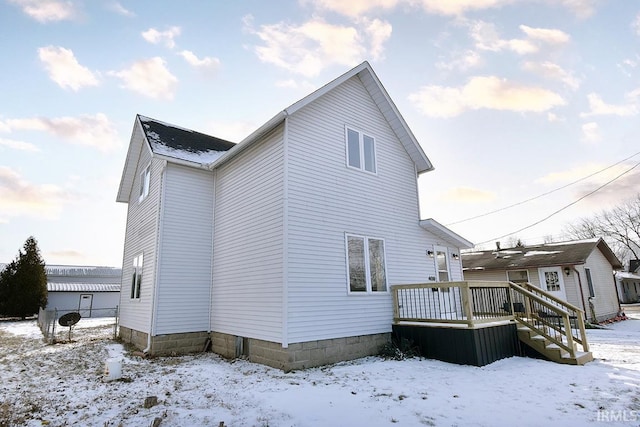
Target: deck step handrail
x: 531, y: 318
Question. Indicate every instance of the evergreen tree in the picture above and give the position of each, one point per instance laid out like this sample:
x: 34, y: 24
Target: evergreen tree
x: 23, y: 283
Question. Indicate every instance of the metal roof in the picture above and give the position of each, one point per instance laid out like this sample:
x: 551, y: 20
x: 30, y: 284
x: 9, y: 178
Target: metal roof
x: 547, y: 255
x: 83, y: 287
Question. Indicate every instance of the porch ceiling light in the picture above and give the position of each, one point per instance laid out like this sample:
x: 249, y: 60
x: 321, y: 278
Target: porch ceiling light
x: 567, y: 271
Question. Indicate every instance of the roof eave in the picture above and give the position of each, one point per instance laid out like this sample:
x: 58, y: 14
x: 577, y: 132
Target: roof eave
x: 439, y: 230
x: 133, y: 155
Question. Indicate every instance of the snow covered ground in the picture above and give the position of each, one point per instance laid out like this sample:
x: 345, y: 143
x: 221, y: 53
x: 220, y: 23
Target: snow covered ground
x: 62, y: 384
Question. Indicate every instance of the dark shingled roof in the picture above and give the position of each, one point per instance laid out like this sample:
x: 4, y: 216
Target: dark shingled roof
x: 551, y: 254
x: 177, y: 142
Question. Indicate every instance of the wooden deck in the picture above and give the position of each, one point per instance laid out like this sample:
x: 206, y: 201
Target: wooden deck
x: 478, y: 323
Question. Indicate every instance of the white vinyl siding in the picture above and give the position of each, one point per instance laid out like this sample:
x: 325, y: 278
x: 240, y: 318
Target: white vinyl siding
x: 606, y: 298
x: 140, y: 238
x: 184, y: 274
x: 327, y: 200
x: 248, y: 237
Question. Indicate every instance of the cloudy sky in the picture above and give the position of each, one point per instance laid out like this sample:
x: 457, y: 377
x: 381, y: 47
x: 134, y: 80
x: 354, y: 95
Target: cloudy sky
x: 510, y: 99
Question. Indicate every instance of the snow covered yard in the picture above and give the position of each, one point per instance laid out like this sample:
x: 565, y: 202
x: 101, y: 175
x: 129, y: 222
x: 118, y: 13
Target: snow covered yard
x: 62, y: 384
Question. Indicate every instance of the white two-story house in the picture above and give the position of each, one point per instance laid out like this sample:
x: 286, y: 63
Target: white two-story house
x: 283, y: 247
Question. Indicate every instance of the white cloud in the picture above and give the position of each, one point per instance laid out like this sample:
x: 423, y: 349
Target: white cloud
x: 458, y: 7
x: 308, y: 48
x: 357, y: 8
x: 167, y: 37
x: 582, y: 8
x: 120, y: 9
x: 22, y: 198
x: 590, y: 132
x: 353, y: 8
x: 94, y: 131
x: 64, y: 69
x: 553, y: 117
x: 546, y: 35
x: 488, y: 92
x: 17, y: 145
x: 149, y: 77
x: 461, y: 61
x: 599, y: 108
x: 47, y: 10
x: 377, y: 32
x: 486, y: 37
x: 206, y: 64
x: 552, y: 71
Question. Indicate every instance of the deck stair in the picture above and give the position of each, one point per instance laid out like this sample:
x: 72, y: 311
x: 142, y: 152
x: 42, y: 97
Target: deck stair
x: 551, y: 327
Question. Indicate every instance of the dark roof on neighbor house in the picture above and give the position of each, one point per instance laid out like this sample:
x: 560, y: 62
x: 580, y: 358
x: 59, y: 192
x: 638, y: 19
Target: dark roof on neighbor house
x: 185, y: 144
x: 546, y: 255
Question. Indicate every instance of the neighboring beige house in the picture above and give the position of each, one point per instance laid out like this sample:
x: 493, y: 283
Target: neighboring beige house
x: 579, y: 272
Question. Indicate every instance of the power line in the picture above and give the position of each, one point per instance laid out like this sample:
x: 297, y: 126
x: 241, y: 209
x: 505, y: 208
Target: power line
x: 541, y: 195
x: 564, y: 207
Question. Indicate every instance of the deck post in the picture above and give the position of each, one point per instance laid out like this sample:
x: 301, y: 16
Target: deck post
x: 396, y: 308
x: 465, y: 294
x: 569, y: 335
x: 583, y: 332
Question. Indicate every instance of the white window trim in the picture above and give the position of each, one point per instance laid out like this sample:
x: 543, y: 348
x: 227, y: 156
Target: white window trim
x: 361, y: 135
x: 368, y: 290
x: 138, y: 267
x: 145, y: 183
x: 445, y: 250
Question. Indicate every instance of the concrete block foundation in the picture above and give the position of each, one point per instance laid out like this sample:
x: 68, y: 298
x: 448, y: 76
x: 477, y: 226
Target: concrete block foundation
x: 295, y: 356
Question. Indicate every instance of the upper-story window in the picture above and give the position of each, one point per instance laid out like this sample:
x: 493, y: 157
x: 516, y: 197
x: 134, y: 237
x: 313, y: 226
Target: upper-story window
x: 361, y: 151
x: 145, y: 176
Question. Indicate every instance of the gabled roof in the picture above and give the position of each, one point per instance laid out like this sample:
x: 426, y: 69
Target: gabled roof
x: 442, y: 232
x: 378, y: 94
x: 171, y: 143
x: 547, y: 255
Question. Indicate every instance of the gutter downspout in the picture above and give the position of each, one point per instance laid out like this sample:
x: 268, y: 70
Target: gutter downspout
x: 584, y: 306
x: 213, y: 236
x: 154, y: 290
x: 285, y: 234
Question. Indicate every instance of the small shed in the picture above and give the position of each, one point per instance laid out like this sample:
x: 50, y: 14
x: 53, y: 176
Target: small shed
x: 578, y: 272
x: 91, y: 291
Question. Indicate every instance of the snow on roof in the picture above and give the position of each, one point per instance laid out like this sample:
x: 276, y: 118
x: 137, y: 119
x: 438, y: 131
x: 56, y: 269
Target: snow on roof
x: 184, y: 144
x: 83, y: 287
x: 82, y: 270
x: 534, y: 253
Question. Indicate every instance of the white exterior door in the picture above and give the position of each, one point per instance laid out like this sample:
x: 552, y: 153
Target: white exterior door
x: 446, y: 298
x: 84, y: 307
x: 551, y: 280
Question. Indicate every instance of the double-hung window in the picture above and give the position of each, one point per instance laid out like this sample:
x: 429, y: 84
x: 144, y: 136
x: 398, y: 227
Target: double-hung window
x: 136, y: 278
x: 366, y: 264
x: 145, y: 176
x: 361, y: 151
